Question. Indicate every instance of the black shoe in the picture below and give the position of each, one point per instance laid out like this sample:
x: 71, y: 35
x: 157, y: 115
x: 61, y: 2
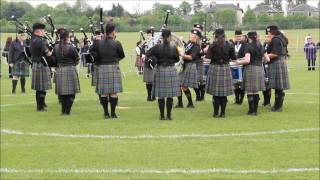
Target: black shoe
x: 179, y: 106
x: 13, y: 92
x: 251, y: 113
x: 107, y: 116
x: 190, y: 106
x: 222, y: 115
x: 273, y: 109
x: 42, y: 110
x: 215, y: 116
x: 169, y: 117
x: 162, y: 118
x: 114, y: 116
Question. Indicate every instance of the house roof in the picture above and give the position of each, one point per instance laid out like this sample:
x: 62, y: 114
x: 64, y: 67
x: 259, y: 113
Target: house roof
x: 303, y: 8
x: 265, y: 9
x: 211, y: 8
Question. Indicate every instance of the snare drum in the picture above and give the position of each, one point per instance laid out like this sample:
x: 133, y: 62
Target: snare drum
x: 237, y: 73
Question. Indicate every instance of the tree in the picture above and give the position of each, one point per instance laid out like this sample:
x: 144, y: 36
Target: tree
x: 116, y: 11
x: 197, y: 5
x: 185, y: 8
x: 226, y: 18
x: 250, y: 19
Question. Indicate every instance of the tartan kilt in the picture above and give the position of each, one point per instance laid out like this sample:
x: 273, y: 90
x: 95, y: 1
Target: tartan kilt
x: 166, y: 83
x: 219, y: 80
x: 148, y: 75
x: 108, y: 79
x: 139, y: 61
x: 41, y: 77
x: 94, y: 75
x: 278, y: 75
x: 253, y: 80
x: 67, y: 80
x: 189, y: 76
x: 200, y: 71
x: 21, y: 69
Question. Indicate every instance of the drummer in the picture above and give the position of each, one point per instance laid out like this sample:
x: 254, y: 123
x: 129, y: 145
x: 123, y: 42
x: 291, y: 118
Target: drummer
x: 239, y: 46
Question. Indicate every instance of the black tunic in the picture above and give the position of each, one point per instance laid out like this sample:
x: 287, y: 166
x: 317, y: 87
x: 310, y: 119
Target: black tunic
x: 38, y: 48
x: 67, y: 56
x: 221, y: 55
x: 166, y: 55
x: 107, y: 51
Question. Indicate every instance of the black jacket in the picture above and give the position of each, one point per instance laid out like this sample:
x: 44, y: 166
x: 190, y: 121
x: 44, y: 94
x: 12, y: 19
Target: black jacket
x: 65, y: 56
x: 165, y: 54
x: 221, y: 55
x: 16, y: 52
x: 107, y: 51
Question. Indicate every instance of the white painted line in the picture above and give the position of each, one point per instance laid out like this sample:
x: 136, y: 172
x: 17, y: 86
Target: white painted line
x: 158, y: 171
x: 148, y: 136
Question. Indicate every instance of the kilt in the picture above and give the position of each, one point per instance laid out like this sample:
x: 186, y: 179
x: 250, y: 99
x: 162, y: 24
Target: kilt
x: 200, y: 71
x: 219, y: 80
x: 108, y: 79
x: 21, y: 69
x: 94, y: 75
x: 253, y: 79
x: 67, y: 80
x: 41, y: 77
x: 148, y: 75
x: 139, y: 61
x: 189, y: 76
x: 278, y: 75
x: 166, y: 83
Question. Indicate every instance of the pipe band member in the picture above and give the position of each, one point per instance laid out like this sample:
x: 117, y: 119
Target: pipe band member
x: 166, y: 83
x: 189, y: 75
x: 148, y: 72
x: 19, y: 62
x: 108, y: 52
x: 254, y: 80
x: 41, y: 74
x: 219, y: 80
x: 278, y: 70
x: 67, y: 80
x: 239, y: 46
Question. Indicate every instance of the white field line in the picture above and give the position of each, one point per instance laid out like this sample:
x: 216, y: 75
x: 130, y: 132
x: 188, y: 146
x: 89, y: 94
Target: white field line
x: 157, y: 171
x: 149, y: 136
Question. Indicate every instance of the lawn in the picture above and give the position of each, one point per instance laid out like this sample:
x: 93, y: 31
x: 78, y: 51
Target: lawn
x: 138, y: 146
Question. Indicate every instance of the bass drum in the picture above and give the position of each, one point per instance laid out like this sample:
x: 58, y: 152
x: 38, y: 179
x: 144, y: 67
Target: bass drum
x: 157, y: 39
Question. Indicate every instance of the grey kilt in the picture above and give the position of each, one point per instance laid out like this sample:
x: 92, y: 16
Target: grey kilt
x: 189, y: 76
x: 21, y: 69
x: 253, y: 79
x: 148, y: 75
x: 219, y: 80
x: 200, y: 71
x: 41, y: 77
x: 108, y: 79
x: 94, y: 75
x: 67, y: 80
x: 278, y: 75
x: 166, y: 83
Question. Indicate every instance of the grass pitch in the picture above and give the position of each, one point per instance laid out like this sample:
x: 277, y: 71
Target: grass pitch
x: 192, y: 146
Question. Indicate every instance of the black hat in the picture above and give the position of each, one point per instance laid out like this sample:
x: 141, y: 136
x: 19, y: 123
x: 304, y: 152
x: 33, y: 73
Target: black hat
x: 38, y: 26
x: 238, y: 32
x: 20, y: 32
x: 110, y: 28
x: 252, y: 34
x: 219, y: 32
x: 97, y: 32
x: 272, y: 28
x: 197, y: 25
x: 150, y: 30
x: 166, y: 33
x: 196, y: 32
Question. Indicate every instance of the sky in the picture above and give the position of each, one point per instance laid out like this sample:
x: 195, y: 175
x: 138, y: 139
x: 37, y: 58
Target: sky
x: 143, y: 5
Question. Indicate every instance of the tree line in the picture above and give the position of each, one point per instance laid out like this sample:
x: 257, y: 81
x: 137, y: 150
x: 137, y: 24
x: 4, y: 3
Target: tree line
x: 183, y: 17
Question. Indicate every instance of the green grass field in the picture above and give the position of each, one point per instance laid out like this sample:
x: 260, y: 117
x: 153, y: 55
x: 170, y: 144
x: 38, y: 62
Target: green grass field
x: 139, y: 146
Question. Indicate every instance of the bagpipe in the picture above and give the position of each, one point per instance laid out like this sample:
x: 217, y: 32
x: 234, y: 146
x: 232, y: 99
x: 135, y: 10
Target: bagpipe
x: 25, y: 28
x: 156, y: 38
x: 205, y: 40
x: 52, y: 39
x: 88, y: 57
